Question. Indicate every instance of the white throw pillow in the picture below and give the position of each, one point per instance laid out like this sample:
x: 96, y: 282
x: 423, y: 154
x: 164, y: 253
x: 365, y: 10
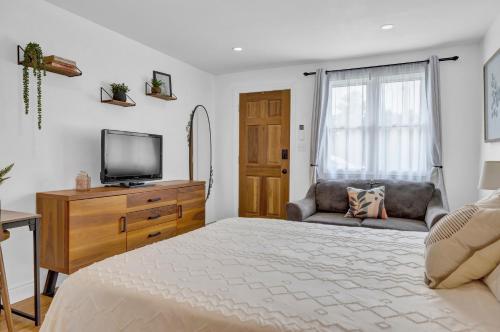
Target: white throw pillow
x: 493, y: 282
x: 463, y: 246
x: 490, y: 202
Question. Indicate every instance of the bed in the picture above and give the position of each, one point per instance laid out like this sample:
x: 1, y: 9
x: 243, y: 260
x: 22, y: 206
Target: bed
x: 243, y: 274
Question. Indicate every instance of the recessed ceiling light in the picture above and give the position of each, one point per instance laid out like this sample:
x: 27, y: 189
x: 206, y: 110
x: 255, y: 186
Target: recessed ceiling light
x: 387, y: 26
x: 237, y: 49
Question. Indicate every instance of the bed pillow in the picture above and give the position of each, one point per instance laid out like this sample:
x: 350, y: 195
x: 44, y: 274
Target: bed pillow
x: 366, y: 203
x: 463, y: 246
x: 490, y: 202
x: 493, y: 282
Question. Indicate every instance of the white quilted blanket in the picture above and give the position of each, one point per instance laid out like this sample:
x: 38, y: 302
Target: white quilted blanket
x: 264, y: 275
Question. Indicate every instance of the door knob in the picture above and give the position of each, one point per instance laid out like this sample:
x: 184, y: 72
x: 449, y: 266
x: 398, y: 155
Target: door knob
x: 284, y: 171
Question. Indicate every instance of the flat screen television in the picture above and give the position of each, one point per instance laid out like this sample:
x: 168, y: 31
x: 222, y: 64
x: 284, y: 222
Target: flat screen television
x: 129, y: 158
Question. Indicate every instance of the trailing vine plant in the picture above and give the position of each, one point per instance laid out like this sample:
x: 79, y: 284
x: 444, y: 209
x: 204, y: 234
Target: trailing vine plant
x: 33, y: 57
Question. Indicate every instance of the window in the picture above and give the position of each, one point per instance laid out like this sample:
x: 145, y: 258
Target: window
x: 377, y: 125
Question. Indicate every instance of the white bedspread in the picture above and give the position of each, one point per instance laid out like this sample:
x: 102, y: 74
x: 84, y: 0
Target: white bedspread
x: 264, y: 275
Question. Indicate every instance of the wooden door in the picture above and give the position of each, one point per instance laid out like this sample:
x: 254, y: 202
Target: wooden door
x: 97, y: 230
x: 264, y: 157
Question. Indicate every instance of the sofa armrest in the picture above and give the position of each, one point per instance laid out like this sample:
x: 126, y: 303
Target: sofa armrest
x: 433, y: 215
x: 300, y: 210
x: 435, y: 209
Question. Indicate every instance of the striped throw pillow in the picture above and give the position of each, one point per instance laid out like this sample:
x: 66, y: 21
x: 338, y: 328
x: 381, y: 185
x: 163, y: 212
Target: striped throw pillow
x: 450, y: 224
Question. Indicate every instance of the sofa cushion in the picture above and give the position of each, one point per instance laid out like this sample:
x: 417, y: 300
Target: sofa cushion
x: 396, y: 223
x: 333, y: 219
x: 331, y: 196
x: 405, y: 199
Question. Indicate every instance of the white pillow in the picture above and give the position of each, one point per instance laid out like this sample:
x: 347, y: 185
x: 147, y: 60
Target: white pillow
x: 463, y: 246
x: 490, y: 202
x: 493, y: 282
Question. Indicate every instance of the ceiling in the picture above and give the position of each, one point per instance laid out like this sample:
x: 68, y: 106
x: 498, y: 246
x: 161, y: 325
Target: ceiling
x: 286, y: 32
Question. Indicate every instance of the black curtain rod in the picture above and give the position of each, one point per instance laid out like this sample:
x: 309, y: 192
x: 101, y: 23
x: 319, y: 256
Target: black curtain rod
x: 452, y: 58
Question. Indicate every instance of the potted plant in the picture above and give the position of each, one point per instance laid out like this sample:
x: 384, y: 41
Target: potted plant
x: 33, y: 57
x: 3, y: 177
x: 156, y: 86
x: 119, y: 91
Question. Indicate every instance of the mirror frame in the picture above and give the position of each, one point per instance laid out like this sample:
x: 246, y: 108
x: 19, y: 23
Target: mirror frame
x: 190, y: 144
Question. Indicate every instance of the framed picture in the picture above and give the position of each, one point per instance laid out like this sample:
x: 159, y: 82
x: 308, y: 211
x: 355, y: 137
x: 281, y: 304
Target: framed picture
x: 166, y: 87
x: 492, y: 99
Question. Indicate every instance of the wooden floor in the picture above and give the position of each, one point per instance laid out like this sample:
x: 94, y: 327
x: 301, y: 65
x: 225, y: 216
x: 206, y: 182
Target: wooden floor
x: 22, y: 324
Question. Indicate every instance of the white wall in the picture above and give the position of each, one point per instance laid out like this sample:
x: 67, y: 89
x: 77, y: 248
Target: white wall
x: 73, y: 115
x: 491, y: 43
x: 460, y: 92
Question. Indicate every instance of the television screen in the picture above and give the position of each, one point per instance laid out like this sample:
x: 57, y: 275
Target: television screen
x: 128, y: 156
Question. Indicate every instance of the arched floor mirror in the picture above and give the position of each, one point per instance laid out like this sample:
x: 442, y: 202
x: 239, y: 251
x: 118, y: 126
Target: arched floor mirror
x: 200, y: 147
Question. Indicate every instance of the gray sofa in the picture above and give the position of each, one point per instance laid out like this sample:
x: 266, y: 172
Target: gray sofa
x: 411, y: 206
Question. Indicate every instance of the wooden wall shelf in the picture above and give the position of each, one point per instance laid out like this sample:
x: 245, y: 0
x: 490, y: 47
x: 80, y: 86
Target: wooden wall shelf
x: 50, y: 68
x: 148, y: 92
x: 160, y: 96
x: 116, y: 102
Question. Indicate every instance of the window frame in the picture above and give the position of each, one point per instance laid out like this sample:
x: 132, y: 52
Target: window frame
x: 373, y: 87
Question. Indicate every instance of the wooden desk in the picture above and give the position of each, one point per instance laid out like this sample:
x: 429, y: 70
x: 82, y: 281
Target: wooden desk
x: 12, y: 219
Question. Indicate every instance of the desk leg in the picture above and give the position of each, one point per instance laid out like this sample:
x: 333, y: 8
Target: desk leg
x: 36, y: 263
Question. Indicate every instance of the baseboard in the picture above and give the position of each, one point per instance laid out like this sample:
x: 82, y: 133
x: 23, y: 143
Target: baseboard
x: 26, y: 290
x: 21, y: 292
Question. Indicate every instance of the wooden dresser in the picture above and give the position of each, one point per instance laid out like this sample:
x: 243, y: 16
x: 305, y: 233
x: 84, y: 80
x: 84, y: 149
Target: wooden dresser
x: 80, y: 228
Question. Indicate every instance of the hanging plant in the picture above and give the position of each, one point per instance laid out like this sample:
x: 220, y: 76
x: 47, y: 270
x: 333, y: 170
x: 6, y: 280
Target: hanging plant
x: 33, y: 57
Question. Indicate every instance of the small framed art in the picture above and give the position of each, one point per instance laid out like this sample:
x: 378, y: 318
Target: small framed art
x: 492, y: 99
x: 166, y: 85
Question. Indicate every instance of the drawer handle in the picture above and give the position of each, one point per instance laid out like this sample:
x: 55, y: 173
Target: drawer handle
x: 154, y: 199
x: 154, y: 234
x: 154, y: 217
x: 179, y: 212
x: 123, y: 224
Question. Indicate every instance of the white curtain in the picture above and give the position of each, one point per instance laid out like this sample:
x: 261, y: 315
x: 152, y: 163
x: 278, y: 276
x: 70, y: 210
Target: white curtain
x: 434, y: 106
x: 376, y: 124
x: 318, y: 120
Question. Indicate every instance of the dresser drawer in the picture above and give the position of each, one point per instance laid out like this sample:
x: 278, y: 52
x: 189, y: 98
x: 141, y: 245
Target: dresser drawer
x: 152, y: 199
x: 151, y: 217
x: 191, y: 193
x: 145, y: 236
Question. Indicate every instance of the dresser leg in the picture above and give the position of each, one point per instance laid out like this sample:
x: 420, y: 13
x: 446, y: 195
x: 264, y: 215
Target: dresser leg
x: 50, y: 283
